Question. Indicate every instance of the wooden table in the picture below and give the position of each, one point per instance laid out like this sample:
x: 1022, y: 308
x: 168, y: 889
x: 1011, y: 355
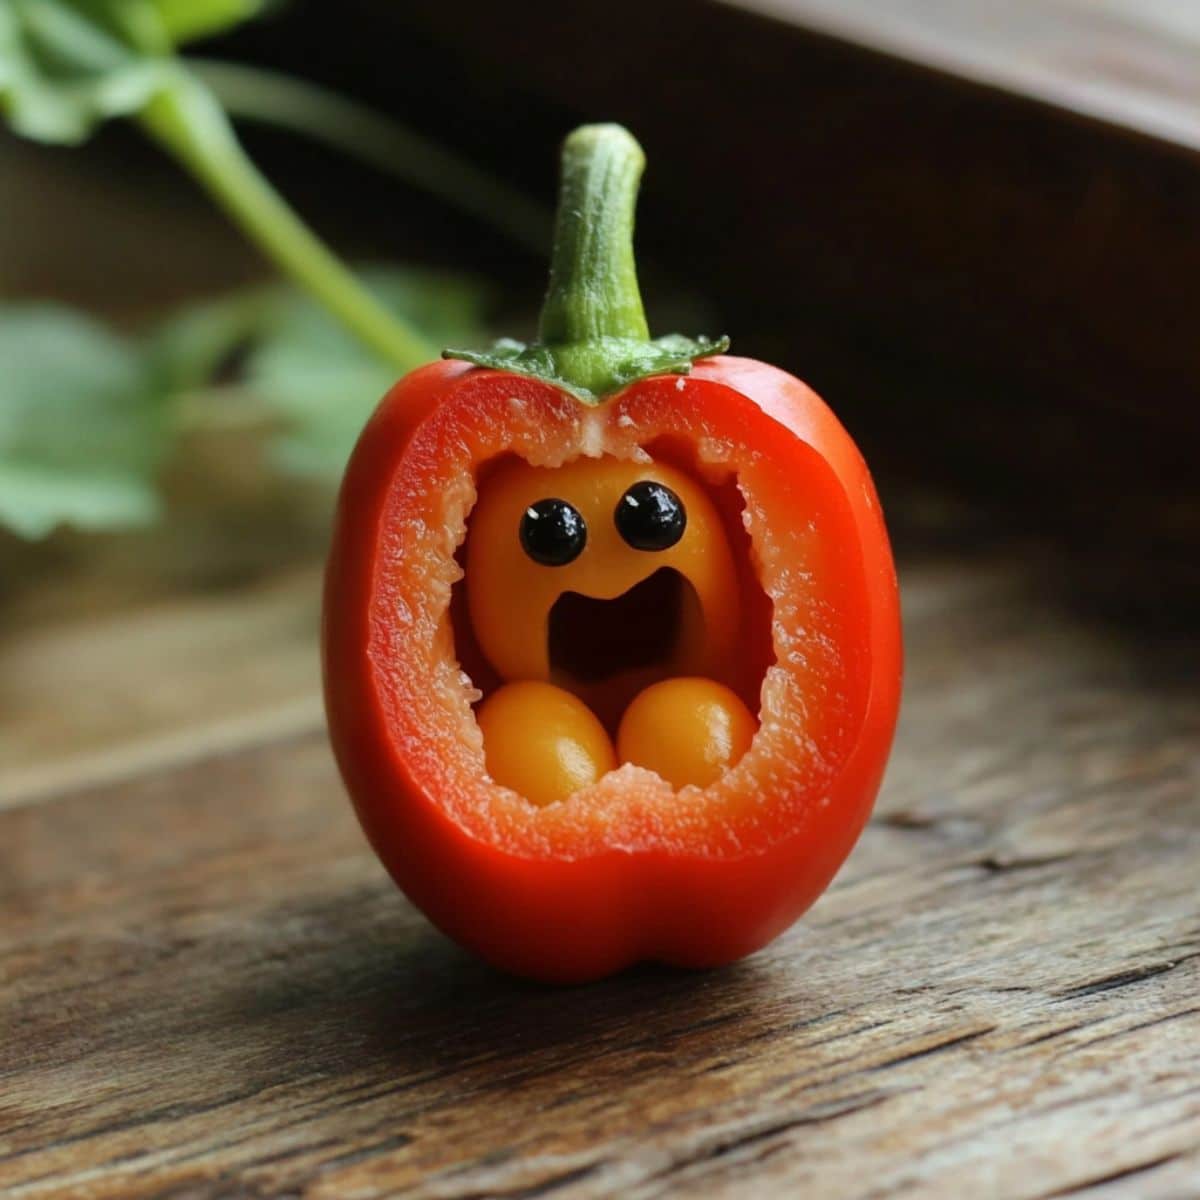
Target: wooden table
x: 210, y: 989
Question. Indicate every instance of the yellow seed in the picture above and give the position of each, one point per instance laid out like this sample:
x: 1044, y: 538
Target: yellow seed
x: 543, y: 742
x: 688, y: 730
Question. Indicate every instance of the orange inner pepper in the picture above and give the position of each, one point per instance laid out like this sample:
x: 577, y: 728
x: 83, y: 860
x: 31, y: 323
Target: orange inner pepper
x: 626, y: 613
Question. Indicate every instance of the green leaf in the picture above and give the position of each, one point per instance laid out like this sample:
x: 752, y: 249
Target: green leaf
x: 67, y: 65
x: 192, y: 346
x: 86, y: 416
x: 187, y: 20
x: 325, y: 385
x: 35, y: 500
x: 82, y: 424
x: 62, y: 70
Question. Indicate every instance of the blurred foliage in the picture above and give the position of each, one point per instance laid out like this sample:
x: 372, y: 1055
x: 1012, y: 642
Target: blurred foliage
x: 66, y: 65
x: 87, y: 416
x: 318, y: 377
x: 82, y: 424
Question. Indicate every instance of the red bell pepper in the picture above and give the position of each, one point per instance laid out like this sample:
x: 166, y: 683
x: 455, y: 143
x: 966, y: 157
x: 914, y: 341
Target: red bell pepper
x: 793, y: 594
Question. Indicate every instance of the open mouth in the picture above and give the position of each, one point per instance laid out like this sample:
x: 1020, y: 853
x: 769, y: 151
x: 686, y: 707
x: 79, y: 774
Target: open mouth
x: 592, y: 640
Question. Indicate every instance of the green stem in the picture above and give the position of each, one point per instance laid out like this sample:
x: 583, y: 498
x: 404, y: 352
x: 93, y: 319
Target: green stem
x: 257, y: 94
x: 593, y: 339
x: 188, y: 123
x: 593, y: 290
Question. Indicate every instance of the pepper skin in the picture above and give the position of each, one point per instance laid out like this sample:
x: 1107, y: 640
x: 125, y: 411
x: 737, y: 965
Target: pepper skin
x: 628, y: 868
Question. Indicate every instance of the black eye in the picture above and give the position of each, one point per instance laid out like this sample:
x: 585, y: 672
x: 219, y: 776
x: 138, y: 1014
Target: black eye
x: 553, y: 532
x: 650, y: 516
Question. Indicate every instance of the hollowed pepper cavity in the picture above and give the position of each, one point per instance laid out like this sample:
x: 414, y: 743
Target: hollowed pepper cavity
x: 602, y: 578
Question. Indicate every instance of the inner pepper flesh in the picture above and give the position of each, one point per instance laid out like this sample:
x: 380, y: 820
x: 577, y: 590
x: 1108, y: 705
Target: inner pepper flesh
x: 621, y: 635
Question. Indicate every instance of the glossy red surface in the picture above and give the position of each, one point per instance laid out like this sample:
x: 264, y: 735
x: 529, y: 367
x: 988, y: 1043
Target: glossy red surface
x: 627, y: 871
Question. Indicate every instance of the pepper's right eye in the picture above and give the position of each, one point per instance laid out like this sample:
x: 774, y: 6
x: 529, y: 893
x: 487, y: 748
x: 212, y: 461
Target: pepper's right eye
x: 553, y: 532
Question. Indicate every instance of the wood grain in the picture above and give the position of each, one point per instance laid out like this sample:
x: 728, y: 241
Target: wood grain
x: 209, y: 990
x: 1131, y: 62
x: 105, y: 697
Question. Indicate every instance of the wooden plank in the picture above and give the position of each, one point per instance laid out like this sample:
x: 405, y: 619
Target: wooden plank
x: 102, y: 698
x: 209, y: 989
x: 1130, y: 62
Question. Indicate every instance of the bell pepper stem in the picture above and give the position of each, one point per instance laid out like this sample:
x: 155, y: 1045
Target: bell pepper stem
x: 593, y: 290
x: 188, y: 123
x: 593, y: 339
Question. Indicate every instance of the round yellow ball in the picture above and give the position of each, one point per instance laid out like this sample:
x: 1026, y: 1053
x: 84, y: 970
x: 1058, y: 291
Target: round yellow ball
x: 688, y: 730
x: 542, y: 741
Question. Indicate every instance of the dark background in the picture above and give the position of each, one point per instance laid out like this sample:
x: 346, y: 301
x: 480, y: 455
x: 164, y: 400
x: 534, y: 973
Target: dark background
x: 995, y: 294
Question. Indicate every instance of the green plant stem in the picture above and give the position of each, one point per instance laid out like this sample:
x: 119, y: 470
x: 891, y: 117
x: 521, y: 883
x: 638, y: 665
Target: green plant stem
x: 189, y: 124
x: 257, y: 94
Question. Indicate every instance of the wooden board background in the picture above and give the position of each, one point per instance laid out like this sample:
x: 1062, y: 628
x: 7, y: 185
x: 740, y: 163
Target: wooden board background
x: 209, y: 989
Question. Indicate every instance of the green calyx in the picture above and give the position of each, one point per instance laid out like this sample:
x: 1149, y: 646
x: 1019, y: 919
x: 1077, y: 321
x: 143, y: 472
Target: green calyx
x: 597, y: 368
x: 592, y: 338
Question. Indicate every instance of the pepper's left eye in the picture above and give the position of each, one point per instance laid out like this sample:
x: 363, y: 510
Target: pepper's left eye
x: 553, y: 532
x: 650, y: 516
